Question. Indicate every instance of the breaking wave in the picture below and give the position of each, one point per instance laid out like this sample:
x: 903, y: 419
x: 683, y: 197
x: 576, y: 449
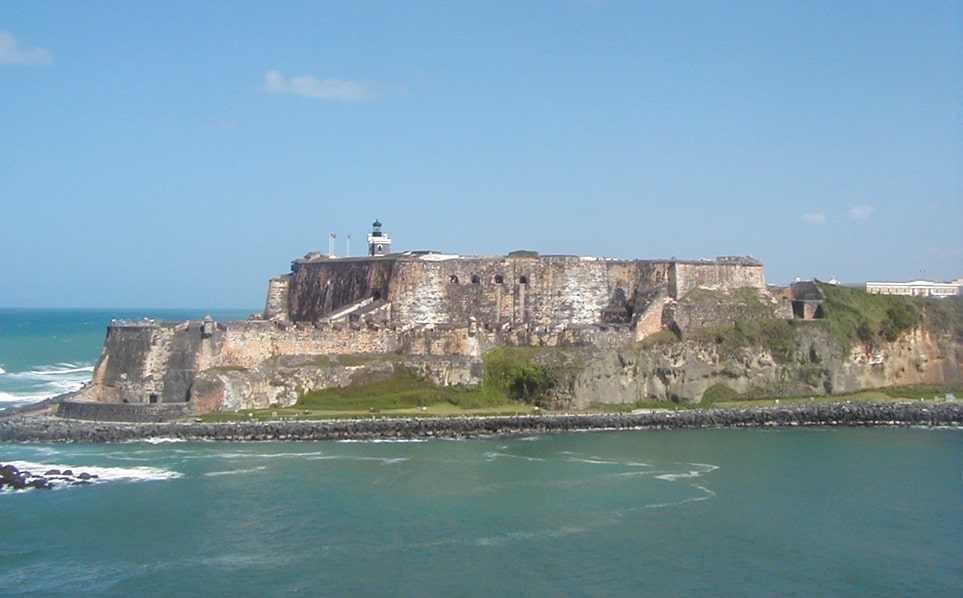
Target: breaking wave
x: 98, y: 474
x: 214, y: 474
x: 43, y: 382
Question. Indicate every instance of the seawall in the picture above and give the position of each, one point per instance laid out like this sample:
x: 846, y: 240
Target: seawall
x: 51, y: 429
x: 125, y: 412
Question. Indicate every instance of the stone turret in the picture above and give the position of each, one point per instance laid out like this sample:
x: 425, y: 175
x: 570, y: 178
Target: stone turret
x: 276, y: 306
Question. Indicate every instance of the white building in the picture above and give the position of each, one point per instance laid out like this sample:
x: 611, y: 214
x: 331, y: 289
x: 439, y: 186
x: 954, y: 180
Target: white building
x: 917, y: 288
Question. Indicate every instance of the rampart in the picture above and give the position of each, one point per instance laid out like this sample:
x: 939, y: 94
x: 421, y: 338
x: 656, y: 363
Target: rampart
x: 550, y: 291
x: 144, y: 361
x: 421, y: 306
x: 320, y: 286
x: 158, y: 363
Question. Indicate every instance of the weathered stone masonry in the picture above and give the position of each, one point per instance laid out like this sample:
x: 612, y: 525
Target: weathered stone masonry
x: 550, y: 291
x: 423, y: 306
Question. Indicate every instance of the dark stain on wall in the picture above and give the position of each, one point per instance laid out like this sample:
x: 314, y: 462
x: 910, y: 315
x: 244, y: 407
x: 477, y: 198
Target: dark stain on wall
x: 319, y: 287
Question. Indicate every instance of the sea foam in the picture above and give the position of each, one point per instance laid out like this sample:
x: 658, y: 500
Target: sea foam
x: 43, y: 382
x: 103, y: 474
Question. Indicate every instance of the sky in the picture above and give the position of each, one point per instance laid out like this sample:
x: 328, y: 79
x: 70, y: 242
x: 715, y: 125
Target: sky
x: 180, y: 154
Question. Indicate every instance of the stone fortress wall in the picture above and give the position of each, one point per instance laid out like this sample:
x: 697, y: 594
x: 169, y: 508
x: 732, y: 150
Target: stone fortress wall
x: 555, y: 292
x: 159, y: 362
x: 450, y: 309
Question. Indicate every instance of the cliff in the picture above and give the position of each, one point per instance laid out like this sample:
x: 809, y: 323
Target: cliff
x: 601, y: 331
x: 817, y: 365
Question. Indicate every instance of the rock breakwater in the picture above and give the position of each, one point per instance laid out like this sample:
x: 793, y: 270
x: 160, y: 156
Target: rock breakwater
x: 12, y: 478
x: 52, y: 429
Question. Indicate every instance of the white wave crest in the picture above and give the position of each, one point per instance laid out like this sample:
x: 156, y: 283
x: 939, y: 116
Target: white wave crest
x: 44, y: 372
x: 594, y: 460
x: 214, y: 474
x: 706, y: 495
x: 672, y: 477
x: 525, y: 536
x: 494, y: 455
x: 44, y: 382
x: 382, y: 460
x: 161, y: 440
x: 283, y: 455
x: 7, y: 397
x: 103, y: 474
x: 62, y: 369
x: 388, y: 440
x: 694, y: 473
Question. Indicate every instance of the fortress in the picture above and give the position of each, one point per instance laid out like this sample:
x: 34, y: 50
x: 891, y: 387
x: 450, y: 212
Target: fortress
x: 439, y: 312
x: 523, y: 289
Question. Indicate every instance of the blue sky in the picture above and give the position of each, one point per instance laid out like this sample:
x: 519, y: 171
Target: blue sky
x: 180, y: 154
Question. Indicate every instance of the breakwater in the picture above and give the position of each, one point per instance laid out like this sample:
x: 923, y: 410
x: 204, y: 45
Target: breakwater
x: 54, y: 429
x: 12, y: 478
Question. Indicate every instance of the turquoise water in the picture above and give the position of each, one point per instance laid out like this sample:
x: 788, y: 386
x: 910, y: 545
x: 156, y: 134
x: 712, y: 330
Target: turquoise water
x: 872, y: 512
x: 854, y: 512
x: 47, y: 352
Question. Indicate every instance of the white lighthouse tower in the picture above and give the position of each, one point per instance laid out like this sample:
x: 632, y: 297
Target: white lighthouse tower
x: 379, y: 243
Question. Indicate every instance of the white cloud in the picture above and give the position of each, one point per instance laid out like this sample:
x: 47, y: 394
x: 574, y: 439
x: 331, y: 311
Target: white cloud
x: 814, y: 218
x: 319, y: 89
x: 12, y: 53
x: 861, y: 212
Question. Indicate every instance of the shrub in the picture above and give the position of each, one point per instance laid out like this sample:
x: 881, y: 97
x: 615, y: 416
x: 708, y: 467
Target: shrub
x: 899, y: 318
x: 776, y: 335
x: 719, y: 392
x: 512, y: 372
x: 660, y: 339
x: 944, y: 315
x: 854, y: 314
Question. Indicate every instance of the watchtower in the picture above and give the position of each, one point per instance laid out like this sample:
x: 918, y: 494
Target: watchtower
x: 379, y: 243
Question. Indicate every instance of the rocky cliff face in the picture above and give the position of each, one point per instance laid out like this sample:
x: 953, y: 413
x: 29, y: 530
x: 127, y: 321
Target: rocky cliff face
x: 140, y: 364
x: 279, y: 382
x: 208, y: 366
x: 684, y: 371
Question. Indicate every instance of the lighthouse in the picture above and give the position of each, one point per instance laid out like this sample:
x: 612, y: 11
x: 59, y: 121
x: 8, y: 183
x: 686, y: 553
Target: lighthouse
x: 379, y: 243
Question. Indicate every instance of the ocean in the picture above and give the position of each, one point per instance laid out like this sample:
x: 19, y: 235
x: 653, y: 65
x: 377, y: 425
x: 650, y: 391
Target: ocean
x: 788, y: 512
x: 47, y: 352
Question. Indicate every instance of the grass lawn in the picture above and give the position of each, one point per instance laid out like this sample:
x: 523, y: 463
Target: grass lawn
x: 437, y: 410
x: 446, y: 409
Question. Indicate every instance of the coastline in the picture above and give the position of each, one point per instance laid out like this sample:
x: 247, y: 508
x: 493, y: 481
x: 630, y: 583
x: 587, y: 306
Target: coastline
x: 50, y: 429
